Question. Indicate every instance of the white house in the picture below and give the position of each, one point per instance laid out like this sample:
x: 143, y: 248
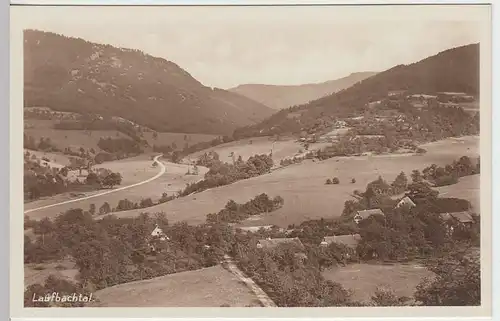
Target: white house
x: 158, y: 232
x: 406, y: 201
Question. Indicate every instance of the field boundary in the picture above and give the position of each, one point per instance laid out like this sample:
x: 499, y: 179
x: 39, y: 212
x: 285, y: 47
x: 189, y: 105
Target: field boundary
x: 262, y: 296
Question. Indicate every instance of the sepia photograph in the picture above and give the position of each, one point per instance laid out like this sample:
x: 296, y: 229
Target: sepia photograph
x: 252, y: 156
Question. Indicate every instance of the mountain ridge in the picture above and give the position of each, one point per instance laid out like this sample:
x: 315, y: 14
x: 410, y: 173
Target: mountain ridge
x: 283, y: 96
x: 452, y: 70
x: 151, y: 91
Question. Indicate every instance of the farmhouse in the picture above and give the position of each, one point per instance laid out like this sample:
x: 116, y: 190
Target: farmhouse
x: 396, y: 93
x: 463, y: 219
x: 406, y: 201
x: 362, y: 215
x: 350, y: 240
x: 156, y: 234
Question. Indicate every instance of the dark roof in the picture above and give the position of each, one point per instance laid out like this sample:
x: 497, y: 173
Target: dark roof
x: 367, y: 213
x: 462, y: 217
x: 272, y: 243
x: 350, y: 240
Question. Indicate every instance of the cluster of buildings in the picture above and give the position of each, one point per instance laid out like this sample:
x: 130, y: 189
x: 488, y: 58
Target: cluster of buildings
x: 349, y: 242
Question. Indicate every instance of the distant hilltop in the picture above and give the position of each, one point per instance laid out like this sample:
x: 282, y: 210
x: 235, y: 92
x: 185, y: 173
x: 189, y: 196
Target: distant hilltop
x: 279, y: 97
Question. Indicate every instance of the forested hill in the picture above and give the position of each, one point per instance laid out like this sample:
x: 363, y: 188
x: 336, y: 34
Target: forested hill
x: 453, y: 70
x: 71, y: 74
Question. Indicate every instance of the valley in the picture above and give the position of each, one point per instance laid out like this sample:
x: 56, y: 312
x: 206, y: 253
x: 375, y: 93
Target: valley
x: 147, y: 188
x: 303, y: 185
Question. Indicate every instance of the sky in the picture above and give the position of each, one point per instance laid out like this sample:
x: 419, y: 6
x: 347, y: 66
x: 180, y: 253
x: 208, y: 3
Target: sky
x: 227, y: 46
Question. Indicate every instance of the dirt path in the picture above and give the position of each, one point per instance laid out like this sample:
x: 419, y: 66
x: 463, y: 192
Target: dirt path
x: 261, y: 295
x: 160, y: 173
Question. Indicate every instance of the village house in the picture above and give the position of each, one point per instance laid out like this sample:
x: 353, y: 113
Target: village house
x: 156, y: 234
x: 463, y: 219
x: 362, y: 215
x: 270, y: 243
x: 406, y: 201
x: 396, y: 93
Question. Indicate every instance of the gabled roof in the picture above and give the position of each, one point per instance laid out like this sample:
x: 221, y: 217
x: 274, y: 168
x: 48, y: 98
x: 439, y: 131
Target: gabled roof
x: 350, y: 240
x: 367, y: 213
x: 272, y: 243
x: 159, y: 232
x: 407, y: 200
x: 462, y: 217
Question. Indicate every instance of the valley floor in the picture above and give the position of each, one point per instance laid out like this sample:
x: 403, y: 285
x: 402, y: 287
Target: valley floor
x: 306, y: 197
x: 303, y: 185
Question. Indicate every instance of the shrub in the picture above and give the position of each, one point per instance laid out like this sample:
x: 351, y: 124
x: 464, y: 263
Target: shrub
x: 353, y: 180
x: 328, y: 182
x: 335, y: 180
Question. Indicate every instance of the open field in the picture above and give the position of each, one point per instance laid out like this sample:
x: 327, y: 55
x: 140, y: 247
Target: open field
x: 208, y: 287
x: 466, y: 188
x: 38, y: 273
x: 173, y: 180
x: 55, y: 159
x: 364, y: 279
x: 79, y: 138
x: 260, y: 145
x: 73, y: 138
x: 303, y: 185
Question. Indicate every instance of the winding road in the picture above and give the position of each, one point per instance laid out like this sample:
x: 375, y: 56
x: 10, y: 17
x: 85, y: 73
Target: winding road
x: 160, y: 173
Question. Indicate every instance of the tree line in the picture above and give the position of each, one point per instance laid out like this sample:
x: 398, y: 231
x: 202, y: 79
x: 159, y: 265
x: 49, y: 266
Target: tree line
x: 235, y: 213
x: 221, y: 174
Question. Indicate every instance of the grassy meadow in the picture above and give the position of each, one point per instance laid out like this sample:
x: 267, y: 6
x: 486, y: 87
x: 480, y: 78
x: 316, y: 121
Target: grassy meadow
x: 207, y: 287
x: 303, y: 185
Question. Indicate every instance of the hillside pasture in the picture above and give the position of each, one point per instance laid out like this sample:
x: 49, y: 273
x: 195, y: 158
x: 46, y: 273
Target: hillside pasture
x: 261, y: 145
x: 303, y: 185
x: 57, y: 160
x: 363, y: 279
x: 180, y: 139
x: 74, y: 139
x: 468, y: 188
x: 207, y: 287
